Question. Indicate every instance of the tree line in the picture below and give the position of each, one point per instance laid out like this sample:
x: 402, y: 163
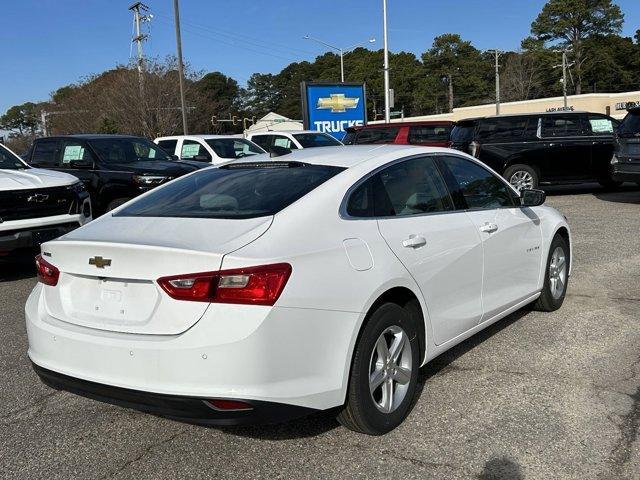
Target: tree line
x: 451, y: 73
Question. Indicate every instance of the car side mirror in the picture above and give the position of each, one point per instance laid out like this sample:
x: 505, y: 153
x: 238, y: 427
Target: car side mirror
x: 175, y: 158
x: 532, y: 197
x: 80, y: 164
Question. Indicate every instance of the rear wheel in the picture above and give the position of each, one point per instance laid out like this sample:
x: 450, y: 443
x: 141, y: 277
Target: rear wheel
x: 384, y: 374
x: 556, y: 277
x: 522, y: 177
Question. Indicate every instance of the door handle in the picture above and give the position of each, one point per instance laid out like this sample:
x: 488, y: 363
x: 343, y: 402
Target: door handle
x: 414, y: 241
x: 489, y: 227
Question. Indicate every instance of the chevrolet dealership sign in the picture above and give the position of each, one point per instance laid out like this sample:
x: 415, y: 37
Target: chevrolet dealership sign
x: 332, y: 107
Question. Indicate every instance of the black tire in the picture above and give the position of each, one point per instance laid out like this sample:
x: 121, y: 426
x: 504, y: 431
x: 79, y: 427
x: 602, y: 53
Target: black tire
x: 116, y: 203
x: 360, y: 412
x: 547, y: 302
x: 521, y: 169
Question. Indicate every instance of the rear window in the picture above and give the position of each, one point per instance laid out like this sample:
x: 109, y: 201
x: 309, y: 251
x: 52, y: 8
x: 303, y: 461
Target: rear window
x: 429, y: 133
x: 310, y: 140
x: 631, y: 124
x: 168, y: 146
x: 235, y: 191
x: 233, y: 147
x: 462, y: 133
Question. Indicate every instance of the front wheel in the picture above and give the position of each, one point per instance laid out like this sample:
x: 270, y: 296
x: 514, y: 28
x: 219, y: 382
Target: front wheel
x: 522, y: 177
x: 113, y: 204
x: 556, y: 277
x: 384, y: 374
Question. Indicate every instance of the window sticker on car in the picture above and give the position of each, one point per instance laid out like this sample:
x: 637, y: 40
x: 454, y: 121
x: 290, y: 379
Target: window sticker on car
x: 601, y: 125
x: 190, y: 150
x: 71, y: 153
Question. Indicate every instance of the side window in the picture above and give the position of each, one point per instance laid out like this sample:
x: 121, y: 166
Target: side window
x: 429, y: 133
x: 562, y: 126
x: 168, y: 146
x: 480, y: 188
x: 262, y: 140
x: 73, y: 151
x: 193, y: 150
x: 600, y: 125
x: 411, y: 187
x: 502, y: 129
x: 45, y: 153
x: 376, y: 135
x: 282, y: 141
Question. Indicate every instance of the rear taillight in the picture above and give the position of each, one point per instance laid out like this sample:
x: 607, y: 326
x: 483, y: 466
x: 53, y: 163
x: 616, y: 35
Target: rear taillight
x: 47, y: 273
x: 252, y: 285
x: 228, y: 405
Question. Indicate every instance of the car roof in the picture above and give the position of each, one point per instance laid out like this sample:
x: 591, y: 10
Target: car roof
x: 344, y: 155
x: 415, y: 123
x: 200, y: 136
x: 89, y: 136
x: 291, y: 132
x: 509, y: 115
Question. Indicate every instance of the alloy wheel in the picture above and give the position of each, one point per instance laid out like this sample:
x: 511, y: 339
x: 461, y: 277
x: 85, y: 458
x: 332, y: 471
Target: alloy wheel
x: 390, y: 369
x: 557, y: 272
x: 521, y: 180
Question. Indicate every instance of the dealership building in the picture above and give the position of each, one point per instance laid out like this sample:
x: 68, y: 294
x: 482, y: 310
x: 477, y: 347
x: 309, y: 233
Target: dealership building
x: 614, y: 104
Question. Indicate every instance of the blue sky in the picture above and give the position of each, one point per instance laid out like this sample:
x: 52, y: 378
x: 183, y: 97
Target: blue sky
x: 51, y: 43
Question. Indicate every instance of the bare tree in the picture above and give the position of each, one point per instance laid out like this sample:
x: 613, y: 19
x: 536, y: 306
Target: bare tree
x: 519, y: 76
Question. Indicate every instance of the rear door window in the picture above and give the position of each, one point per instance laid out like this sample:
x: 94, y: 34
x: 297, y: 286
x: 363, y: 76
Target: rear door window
x: 429, y: 133
x: 563, y: 126
x: 600, y: 125
x: 502, y: 129
x: 376, y: 135
x: 463, y: 132
x: 235, y: 191
x: 263, y: 141
x: 45, y: 153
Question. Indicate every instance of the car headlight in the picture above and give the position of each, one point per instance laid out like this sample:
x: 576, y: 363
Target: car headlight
x: 614, y: 159
x: 77, y: 187
x: 149, y: 180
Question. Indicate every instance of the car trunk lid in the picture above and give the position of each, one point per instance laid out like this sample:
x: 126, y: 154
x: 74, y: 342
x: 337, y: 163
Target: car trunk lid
x: 111, y: 283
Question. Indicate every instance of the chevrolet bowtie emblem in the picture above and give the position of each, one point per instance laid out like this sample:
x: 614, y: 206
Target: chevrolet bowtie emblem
x: 38, y: 198
x: 337, y: 102
x: 100, y: 262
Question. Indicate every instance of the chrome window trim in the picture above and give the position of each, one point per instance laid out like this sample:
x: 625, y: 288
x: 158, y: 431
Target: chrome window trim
x: 342, y: 211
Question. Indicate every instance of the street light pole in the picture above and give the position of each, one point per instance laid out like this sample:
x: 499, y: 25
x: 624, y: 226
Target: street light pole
x: 387, y: 100
x: 564, y: 77
x: 176, y: 11
x: 341, y: 51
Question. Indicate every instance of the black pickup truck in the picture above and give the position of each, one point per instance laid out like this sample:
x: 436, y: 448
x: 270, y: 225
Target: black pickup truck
x: 114, y: 168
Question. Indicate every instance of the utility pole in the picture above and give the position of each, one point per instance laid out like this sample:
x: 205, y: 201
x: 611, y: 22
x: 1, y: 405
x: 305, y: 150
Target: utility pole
x: 450, y: 83
x: 564, y: 77
x: 176, y: 11
x: 387, y: 100
x: 136, y: 8
x: 497, y: 55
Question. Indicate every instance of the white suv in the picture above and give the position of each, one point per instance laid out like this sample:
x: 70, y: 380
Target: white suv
x: 208, y: 148
x: 37, y: 205
x: 293, y: 139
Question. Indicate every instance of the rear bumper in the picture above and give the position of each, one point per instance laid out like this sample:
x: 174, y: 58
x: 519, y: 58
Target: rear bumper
x: 27, y: 235
x: 626, y: 172
x: 290, y: 356
x: 187, y: 409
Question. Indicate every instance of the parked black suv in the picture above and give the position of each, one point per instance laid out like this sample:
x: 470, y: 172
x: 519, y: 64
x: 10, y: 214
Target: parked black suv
x: 530, y: 149
x: 626, y: 160
x: 114, y: 168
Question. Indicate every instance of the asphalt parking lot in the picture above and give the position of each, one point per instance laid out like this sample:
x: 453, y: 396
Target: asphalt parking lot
x: 536, y: 396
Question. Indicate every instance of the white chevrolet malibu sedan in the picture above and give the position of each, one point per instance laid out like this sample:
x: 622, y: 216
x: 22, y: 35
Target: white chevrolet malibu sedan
x: 270, y: 288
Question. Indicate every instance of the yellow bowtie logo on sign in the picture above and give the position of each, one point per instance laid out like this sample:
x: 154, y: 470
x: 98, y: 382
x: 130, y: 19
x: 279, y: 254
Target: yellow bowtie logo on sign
x: 337, y: 102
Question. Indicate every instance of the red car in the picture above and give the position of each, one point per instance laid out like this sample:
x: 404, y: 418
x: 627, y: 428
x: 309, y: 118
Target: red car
x: 428, y: 133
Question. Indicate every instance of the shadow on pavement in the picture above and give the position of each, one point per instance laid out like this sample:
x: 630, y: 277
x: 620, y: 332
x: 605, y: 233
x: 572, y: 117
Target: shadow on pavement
x: 502, y: 468
x: 17, y: 269
x: 588, y: 189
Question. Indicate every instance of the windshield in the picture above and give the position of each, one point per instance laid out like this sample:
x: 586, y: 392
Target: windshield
x: 233, y: 147
x: 462, y: 133
x: 310, y: 140
x: 9, y: 161
x: 630, y: 125
x: 235, y: 191
x: 127, y: 150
